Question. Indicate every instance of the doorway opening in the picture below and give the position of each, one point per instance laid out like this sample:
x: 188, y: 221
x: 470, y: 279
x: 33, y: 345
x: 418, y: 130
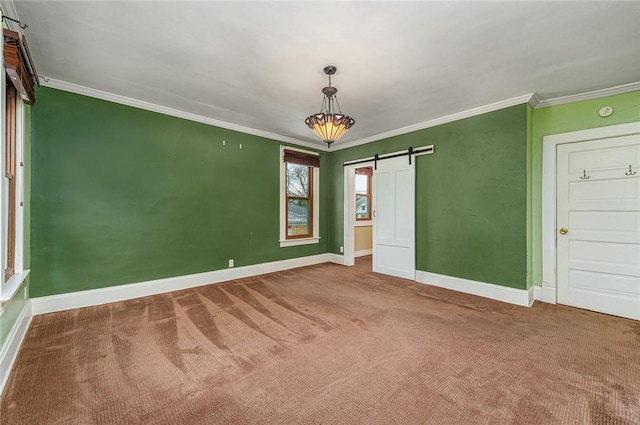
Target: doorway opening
x: 358, y: 214
x: 392, y: 200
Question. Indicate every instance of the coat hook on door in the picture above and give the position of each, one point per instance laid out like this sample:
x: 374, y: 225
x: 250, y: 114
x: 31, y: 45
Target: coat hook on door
x: 584, y: 175
x: 630, y: 172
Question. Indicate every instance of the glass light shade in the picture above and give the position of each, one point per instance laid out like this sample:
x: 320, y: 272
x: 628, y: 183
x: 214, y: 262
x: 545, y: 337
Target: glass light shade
x: 329, y: 127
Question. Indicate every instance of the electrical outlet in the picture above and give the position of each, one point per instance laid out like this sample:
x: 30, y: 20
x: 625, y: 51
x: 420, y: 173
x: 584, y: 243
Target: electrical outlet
x: 231, y: 262
x: 341, y: 249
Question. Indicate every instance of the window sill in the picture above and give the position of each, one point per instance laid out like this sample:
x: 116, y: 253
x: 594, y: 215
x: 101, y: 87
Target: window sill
x: 14, y: 283
x: 363, y: 223
x: 296, y: 242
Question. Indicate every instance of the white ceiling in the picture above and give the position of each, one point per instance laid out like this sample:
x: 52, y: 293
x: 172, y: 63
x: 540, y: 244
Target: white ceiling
x: 259, y: 64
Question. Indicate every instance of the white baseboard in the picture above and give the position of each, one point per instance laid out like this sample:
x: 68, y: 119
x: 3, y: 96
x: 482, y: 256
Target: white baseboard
x: 488, y: 290
x: 531, y: 293
x: 336, y: 258
x: 12, y: 345
x: 537, y: 293
x: 53, y: 303
x: 363, y: 252
x: 548, y: 294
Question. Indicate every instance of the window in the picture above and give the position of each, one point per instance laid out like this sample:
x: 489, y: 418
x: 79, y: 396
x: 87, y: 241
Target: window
x: 18, y: 90
x: 363, y: 193
x: 299, y: 201
x: 299, y: 191
x: 9, y: 189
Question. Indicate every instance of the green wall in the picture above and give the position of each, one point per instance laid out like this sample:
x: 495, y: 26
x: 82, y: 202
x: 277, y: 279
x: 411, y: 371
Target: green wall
x: 471, y: 196
x: 123, y: 195
x: 563, y: 119
x: 11, y: 313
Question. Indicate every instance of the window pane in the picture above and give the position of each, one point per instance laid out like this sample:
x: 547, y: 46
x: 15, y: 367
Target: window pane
x: 362, y: 183
x: 297, y: 180
x: 298, y: 217
x: 362, y: 207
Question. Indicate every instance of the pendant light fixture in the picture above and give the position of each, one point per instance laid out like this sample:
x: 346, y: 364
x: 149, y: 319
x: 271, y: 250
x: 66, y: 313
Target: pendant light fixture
x: 328, y: 124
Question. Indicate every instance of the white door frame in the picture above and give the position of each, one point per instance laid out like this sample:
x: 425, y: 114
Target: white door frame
x: 349, y: 203
x: 349, y: 212
x: 549, y: 148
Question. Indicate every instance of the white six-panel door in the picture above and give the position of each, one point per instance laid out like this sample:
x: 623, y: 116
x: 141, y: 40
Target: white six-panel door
x: 598, y: 225
x: 394, y: 217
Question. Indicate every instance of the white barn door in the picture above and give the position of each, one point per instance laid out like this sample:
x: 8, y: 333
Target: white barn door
x: 394, y: 217
x: 598, y: 225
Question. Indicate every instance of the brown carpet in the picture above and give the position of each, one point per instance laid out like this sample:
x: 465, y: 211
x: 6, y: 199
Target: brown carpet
x: 325, y: 344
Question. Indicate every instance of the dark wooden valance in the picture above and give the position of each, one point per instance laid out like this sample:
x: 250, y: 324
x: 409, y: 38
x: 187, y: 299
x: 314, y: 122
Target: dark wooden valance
x: 18, y: 65
x: 367, y: 171
x: 301, y: 158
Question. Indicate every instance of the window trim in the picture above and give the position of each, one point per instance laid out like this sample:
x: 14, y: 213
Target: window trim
x: 363, y: 223
x: 10, y: 172
x: 315, y: 188
x: 309, y: 198
x: 368, y: 195
x: 18, y: 264
x: 10, y: 286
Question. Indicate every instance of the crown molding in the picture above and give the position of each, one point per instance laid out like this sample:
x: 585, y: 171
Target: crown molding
x: 439, y: 121
x: 148, y: 106
x: 532, y: 99
x: 611, y: 91
x: 9, y: 9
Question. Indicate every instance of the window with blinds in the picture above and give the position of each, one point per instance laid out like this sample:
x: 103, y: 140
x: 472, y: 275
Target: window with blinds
x: 299, y: 193
x: 299, y: 176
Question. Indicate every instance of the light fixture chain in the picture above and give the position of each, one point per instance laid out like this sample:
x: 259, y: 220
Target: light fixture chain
x: 337, y: 103
x: 324, y: 104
